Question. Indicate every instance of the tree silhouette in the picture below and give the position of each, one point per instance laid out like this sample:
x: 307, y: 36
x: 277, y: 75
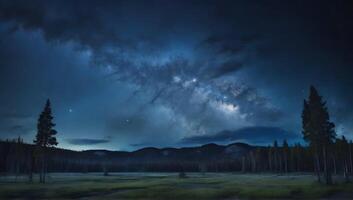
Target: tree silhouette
x: 45, y: 137
x: 350, y: 156
x: 342, y: 148
x: 285, y: 155
x: 276, y: 155
x: 318, y: 131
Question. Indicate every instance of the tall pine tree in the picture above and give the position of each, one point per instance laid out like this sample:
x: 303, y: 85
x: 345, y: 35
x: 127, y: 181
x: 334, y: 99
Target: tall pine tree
x: 318, y: 131
x: 45, y: 137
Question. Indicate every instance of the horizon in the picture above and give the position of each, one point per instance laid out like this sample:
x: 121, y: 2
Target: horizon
x: 291, y: 141
x: 159, y: 148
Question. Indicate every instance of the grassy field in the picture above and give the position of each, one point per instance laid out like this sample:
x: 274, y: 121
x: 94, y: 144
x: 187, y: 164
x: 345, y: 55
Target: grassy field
x: 169, y: 186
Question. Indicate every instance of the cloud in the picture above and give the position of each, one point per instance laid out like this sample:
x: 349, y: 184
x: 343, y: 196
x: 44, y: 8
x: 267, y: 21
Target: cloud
x: 19, y: 129
x: 87, y: 141
x: 139, y: 145
x: 14, y: 116
x: 253, y: 135
x: 227, y: 68
x: 14, y: 124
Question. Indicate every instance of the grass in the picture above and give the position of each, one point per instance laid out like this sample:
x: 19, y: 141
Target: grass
x: 168, y: 186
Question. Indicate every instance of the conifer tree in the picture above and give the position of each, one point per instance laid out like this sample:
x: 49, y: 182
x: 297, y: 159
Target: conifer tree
x: 318, y: 131
x: 45, y: 137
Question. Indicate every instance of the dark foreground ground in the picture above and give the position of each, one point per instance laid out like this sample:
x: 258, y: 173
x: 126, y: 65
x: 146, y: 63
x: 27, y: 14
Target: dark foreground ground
x: 169, y: 186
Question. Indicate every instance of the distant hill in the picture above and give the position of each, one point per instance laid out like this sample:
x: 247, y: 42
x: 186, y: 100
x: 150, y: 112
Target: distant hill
x: 145, y: 159
x: 151, y: 154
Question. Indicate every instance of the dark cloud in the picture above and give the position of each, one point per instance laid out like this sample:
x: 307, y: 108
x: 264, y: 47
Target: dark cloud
x: 253, y: 135
x: 230, y: 45
x: 139, y: 145
x: 19, y: 128
x: 86, y: 141
x: 77, y: 24
x: 227, y: 68
x: 13, y: 115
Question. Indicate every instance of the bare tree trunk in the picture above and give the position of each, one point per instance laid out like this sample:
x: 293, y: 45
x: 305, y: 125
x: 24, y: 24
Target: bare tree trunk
x: 45, y: 166
x: 334, y: 165
x: 298, y: 162
x: 255, y: 167
x: 42, y: 168
x: 253, y: 162
x: 275, y: 161
x: 280, y: 163
x: 350, y: 157
x: 345, y: 172
x: 30, y: 167
x: 270, y: 160
x: 348, y: 180
x: 285, y: 163
x: 327, y: 171
x: 17, y: 167
x: 243, y: 164
x: 317, y: 167
x: 105, y: 169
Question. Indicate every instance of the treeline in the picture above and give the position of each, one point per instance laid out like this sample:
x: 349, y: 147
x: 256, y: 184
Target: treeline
x: 297, y: 158
x: 18, y: 158
x: 278, y: 159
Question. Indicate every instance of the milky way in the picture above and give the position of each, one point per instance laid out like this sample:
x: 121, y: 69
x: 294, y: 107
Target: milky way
x: 128, y: 74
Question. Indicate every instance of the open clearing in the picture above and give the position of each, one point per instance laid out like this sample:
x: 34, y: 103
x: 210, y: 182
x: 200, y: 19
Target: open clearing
x: 169, y: 186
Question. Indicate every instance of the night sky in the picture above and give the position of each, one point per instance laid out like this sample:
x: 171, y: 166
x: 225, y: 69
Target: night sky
x: 123, y: 75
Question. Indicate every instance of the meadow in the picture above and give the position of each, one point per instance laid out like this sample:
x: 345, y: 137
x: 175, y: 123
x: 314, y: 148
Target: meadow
x: 170, y: 186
